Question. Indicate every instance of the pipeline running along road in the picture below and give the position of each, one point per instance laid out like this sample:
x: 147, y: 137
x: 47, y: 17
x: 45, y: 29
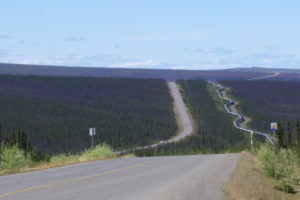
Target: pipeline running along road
x: 240, y: 118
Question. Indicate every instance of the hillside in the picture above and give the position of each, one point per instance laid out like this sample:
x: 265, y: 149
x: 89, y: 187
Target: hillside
x: 170, y: 75
x: 283, y: 74
x: 266, y: 101
x: 56, y: 112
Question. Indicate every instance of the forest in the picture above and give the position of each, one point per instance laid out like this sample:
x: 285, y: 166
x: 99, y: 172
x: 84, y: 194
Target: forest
x: 55, y: 113
x: 267, y: 101
x: 215, y: 132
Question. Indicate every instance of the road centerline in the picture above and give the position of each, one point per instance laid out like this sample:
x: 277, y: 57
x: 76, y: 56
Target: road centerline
x: 29, y: 189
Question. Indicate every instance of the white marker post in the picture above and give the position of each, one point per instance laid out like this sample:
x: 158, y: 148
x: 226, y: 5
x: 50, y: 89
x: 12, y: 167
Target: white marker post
x: 274, y: 127
x: 251, y: 141
x: 92, y: 132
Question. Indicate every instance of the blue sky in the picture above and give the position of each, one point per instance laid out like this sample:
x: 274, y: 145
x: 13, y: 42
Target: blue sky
x: 171, y: 34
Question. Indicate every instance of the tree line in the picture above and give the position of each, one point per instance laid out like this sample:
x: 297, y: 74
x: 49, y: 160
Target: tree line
x: 57, y: 112
x: 288, y: 137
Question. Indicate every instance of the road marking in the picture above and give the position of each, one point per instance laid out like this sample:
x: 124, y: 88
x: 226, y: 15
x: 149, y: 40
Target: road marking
x: 29, y: 189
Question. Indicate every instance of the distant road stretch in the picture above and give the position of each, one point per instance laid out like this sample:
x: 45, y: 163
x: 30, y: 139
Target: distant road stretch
x: 148, y: 178
x: 181, y: 114
x: 266, y: 77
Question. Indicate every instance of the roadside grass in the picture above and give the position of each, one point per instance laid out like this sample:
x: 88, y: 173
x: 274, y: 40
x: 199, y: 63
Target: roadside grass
x: 280, y: 165
x: 249, y: 182
x: 13, y: 160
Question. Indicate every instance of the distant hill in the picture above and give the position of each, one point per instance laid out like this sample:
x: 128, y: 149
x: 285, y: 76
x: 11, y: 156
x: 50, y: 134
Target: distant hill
x: 284, y: 74
x: 235, y: 74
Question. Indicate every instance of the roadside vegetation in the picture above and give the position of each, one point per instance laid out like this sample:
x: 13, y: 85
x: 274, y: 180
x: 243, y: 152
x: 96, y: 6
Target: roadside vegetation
x: 270, y: 172
x: 249, y: 181
x: 18, y: 155
x: 55, y: 113
x: 214, y: 131
x: 15, y: 160
x: 267, y: 173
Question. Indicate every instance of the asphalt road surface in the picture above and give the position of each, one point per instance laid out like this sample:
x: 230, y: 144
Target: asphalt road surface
x: 147, y: 178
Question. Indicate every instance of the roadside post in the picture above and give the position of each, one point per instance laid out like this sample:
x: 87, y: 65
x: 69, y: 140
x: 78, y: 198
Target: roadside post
x: 92, y: 132
x: 274, y: 127
x: 251, y: 141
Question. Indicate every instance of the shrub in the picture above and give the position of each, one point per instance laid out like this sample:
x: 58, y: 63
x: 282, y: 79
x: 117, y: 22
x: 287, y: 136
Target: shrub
x: 63, y: 158
x: 267, y: 158
x: 279, y: 164
x: 12, y: 158
x: 284, y: 186
x: 99, y: 152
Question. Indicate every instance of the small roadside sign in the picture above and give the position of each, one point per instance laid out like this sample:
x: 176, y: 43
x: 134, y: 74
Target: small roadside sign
x: 274, y: 126
x: 92, y: 131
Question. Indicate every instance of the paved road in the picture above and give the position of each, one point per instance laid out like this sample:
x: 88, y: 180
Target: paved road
x: 266, y: 77
x: 181, y: 114
x: 147, y: 178
x: 181, y: 111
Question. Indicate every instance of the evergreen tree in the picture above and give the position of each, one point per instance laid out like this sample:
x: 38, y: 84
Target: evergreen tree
x: 23, y: 141
x: 279, y: 135
x: 1, y: 139
x: 297, y: 134
x: 18, y: 138
x: 289, y: 134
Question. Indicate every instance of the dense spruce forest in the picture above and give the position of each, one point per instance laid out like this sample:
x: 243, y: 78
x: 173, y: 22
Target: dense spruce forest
x: 215, y: 132
x: 56, y: 112
x: 267, y: 101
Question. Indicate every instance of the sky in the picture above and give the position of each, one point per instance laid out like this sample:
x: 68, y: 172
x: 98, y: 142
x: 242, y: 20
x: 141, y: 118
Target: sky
x: 159, y: 34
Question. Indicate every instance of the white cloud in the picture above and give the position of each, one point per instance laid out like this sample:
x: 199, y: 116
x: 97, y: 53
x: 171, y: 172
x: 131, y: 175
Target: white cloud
x: 269, y: 56
x: 200, y: 67
x: 96, y: 60
x: 75, y: 39
x: 215, y: 51
x: 32, y: 61
x: 146, y: 63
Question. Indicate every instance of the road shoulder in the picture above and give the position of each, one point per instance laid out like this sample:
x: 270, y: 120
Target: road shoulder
x: 249, y: 182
